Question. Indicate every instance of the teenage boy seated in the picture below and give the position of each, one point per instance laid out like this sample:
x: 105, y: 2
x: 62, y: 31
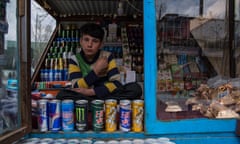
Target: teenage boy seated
x: 93, y: 71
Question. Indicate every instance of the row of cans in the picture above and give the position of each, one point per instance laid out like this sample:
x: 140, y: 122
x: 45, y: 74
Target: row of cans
x: 54, y: 74
x: 68, y: 115
x: 160, y: 140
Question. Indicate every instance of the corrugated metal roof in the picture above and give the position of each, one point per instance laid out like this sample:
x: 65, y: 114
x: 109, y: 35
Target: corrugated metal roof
x: 78, y: 8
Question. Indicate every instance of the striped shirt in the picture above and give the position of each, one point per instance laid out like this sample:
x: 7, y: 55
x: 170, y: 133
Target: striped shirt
x: 82, y: 75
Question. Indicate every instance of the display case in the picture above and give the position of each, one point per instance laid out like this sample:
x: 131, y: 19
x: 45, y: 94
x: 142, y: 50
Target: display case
x: 192, y: 49
x: 185, y: 53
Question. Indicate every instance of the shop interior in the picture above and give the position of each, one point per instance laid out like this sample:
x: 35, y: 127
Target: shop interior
x: 197, y: 52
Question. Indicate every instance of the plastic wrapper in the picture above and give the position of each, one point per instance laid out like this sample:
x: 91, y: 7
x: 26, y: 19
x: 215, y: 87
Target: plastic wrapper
x: 221, y: 111
x: 219, y: 98
x: 217, y: 81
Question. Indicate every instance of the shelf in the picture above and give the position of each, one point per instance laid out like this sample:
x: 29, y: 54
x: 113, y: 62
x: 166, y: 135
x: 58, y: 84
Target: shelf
x: 113, y: 44
x: 181, y: 50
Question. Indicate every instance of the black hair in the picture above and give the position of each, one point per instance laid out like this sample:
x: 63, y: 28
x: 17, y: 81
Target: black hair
x: 93, y: 30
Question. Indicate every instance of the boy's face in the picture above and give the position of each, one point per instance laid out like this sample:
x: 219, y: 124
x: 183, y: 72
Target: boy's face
x: 90, y: 45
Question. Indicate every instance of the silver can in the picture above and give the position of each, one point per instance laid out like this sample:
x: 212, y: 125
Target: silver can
x: 150, y: 141
x: 60, y: 141
x: 125, y: 141
x: 113, y: 142
x: 43, y: 118
x: 99, y: 142
x: 86, y: 141
x: 138, y: 141
x: 73, y: 141
x: 33, y: 140
x: 46, y: 140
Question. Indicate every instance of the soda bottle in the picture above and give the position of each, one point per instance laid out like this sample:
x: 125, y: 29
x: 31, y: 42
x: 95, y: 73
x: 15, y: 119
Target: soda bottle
x: 60, y: 67
x: 65, y: 66
x: 51, y: 70
x: 47, y: 69
x: 73, y: 33
x: 63, y: 37
x: 68, y: 34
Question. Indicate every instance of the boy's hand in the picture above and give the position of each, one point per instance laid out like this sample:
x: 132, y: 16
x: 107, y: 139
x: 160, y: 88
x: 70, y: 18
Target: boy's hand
x: 84, y: 91
x: 101, y: 66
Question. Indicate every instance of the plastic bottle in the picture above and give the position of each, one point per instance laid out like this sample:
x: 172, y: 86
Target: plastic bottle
x: 47, y: 69
x: 65, y: 66
x: 60, y: 67
x: 51, y: 70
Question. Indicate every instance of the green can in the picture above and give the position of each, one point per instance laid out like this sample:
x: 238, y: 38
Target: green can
x: 97, y: 107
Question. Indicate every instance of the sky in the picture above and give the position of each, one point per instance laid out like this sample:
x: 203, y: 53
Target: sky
x: 212, y: 8
x: 11, y: 18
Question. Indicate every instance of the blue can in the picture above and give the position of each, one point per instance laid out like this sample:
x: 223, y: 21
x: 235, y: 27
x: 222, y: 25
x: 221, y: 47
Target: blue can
x: 54, y: 115
x: 125, y: 113
x: 67, y: 115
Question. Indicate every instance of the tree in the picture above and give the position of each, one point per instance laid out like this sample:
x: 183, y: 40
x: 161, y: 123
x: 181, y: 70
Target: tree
x: 41, y: 31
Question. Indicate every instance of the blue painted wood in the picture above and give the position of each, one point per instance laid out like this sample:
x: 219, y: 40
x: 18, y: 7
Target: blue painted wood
x: 150, y: 66
x: 204, y: 138
x: 154, y: 126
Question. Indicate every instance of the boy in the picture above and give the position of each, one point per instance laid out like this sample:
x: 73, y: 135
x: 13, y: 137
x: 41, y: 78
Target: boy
x: 94, y: 73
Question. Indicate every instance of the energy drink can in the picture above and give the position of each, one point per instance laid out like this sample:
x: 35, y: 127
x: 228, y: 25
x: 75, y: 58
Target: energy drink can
x: 86, y: 141
x: 150, y: 141
x: 54, y: 118
x: 113, y: 142
x: 110, y: 115
x: 125, y: 115
x: 46, y: 140
x: 163, y: 140
x: 97, y: 114
x: 73, y: 141
x: 43, y: 118
x: 81, y: 111
x: 137, y: 115
x: 137, y: 141
x: 125, y: 141
x: 99, y: 142
x: 67, y: 115
x: 60, y: 141
x: 31, y: 140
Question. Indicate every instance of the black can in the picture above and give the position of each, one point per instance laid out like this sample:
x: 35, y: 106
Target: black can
x: 81, y: 112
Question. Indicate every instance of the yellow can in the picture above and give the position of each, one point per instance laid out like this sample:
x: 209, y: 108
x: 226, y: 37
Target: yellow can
x: 110, y: 115
x: 137, y: 115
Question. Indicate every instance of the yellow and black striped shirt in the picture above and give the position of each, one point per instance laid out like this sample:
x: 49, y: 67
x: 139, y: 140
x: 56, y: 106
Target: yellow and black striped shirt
x: 82, y: 75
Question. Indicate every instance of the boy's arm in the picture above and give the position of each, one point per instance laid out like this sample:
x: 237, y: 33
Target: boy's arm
x: 113, y: 81
x: 76, y: 76
x: 84, y: 83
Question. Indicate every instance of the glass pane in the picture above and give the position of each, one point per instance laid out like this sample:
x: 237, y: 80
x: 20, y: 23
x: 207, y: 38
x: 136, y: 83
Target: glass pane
x: 237, y: 37
x: 42, y: 27
x: 192, y: 54
x: 9, y: 106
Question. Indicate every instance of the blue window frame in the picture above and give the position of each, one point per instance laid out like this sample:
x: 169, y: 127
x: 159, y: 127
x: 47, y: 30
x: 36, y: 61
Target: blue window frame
x: 152, y: 124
